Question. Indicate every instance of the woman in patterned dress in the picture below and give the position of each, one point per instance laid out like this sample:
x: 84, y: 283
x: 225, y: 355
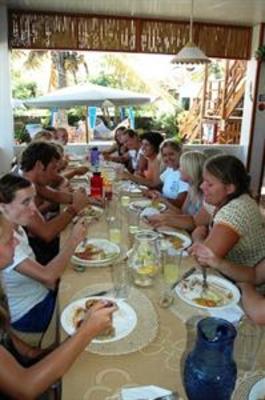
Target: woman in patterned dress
x: 236, y: 228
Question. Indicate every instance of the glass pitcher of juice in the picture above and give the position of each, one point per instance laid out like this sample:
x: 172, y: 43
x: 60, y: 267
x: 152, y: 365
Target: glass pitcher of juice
x: 144, y: 258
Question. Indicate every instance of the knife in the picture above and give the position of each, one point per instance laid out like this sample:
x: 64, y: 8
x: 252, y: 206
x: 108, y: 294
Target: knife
x: 184, y: 276
x: 102, y: 293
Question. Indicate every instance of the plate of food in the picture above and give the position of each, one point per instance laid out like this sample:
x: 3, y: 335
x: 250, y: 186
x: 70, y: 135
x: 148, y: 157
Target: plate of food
x: 131, y: 188
x: 177, y: 240
x: 221, y: 293
x: 257, y: 392
x: 76, y: 157
x: 90, y: 213
x: 123, y: 323
x: 95, y: 253
x: 140, y: 205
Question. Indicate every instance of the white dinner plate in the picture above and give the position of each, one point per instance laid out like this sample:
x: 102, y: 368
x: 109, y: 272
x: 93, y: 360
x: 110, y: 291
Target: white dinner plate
x: 124, y: 319
x: 80, y: 179
x: 76, y: 157
x: 191, y: 288
x: 90, y: 213
x: 74, y: 164
x: 140, y: 205
x: 257, y: 391
x: 186, y: 240
x: 132, y: 188
x: 112, y: 251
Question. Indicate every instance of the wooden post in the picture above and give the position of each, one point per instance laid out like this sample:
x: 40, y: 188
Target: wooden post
x: 223, y: 108
x: 86, y: 126
x: 203, y: 99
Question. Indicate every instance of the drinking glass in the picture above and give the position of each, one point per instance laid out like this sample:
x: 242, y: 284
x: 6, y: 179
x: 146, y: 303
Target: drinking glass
x: 120, y: 279
x: 248, y: 344
x: 119, y: 171
x: 170, y: 264
x: 171, y: 260
x: 115, y: 230
x: 108, y: 173
x: 125, y: 201
x: 110, y: 210
x: 133, y: 220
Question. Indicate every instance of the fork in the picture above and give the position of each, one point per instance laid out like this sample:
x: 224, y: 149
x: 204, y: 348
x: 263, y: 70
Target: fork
x: 204, y: 281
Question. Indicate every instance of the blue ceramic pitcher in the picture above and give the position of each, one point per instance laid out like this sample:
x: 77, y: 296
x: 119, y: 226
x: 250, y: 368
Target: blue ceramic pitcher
x: 210, y: 370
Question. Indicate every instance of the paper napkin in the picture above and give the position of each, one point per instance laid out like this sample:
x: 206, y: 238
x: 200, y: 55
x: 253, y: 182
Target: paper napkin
x: 232, y: 314
x: 143, y: 392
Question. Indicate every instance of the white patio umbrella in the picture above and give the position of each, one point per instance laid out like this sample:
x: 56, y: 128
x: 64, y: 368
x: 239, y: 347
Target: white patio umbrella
x: 88, y: 95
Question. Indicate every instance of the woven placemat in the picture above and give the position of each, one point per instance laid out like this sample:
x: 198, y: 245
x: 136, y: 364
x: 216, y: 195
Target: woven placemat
x: 145, y: 331
x: 245, y: 384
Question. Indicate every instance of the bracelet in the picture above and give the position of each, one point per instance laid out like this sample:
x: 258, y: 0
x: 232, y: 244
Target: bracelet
x: 70, y: 210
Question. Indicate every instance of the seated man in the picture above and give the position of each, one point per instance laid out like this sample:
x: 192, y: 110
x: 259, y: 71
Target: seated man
x: 39, y: 164
x: 47, y: 135
x: 61, y: 136
x: 65, y: 172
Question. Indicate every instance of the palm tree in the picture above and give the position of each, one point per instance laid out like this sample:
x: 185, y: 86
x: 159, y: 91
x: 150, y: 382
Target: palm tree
x: 64, y: 65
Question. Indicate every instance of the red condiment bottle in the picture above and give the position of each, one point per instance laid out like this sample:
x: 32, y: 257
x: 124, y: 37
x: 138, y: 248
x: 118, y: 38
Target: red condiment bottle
x: 96, y: 185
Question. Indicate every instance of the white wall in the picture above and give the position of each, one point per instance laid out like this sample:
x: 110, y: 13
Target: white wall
x: 256, y: 166
x: 6, y: 116
x: 249, y: 93
x: 81, y: 149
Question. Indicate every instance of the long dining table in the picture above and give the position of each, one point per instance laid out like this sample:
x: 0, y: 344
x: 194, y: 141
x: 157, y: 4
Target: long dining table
x: 153, y: 355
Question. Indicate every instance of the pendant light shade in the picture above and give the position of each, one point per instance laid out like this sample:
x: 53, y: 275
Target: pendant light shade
x: 191, y: 54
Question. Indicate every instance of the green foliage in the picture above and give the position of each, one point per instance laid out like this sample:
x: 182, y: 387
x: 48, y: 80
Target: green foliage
x: 167, y: 123
x: 21, y: 136
x: 74, y: 115
x: 117, y: 73
x: 105, y: 79
x: 216, y: 70
x: 260, y: 53
x: 24, y: 90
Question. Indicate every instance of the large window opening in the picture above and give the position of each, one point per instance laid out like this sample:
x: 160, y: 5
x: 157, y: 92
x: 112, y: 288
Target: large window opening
x: 185, y: 103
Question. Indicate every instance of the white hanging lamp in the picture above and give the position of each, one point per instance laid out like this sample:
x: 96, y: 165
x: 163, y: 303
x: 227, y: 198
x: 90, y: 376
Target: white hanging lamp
x: 191, y: 54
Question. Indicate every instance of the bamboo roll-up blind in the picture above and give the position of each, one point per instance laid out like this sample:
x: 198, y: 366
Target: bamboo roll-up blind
x: 42, y: 30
